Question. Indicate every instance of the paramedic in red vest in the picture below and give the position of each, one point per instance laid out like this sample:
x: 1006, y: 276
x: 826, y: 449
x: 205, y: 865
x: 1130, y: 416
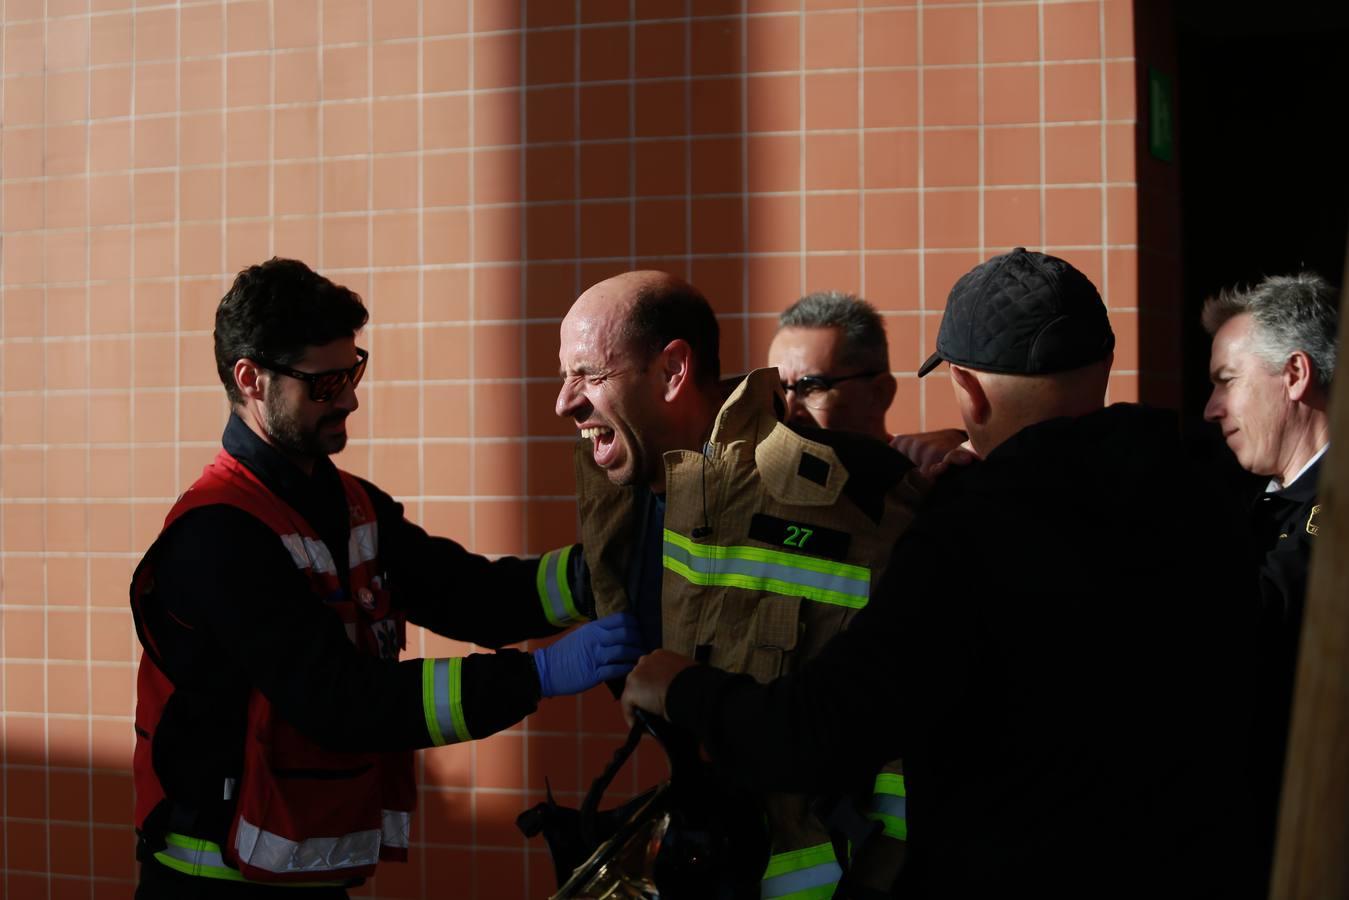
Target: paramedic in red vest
x: 275, y: 722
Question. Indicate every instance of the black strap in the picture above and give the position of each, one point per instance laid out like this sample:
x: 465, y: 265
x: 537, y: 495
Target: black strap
x: 591, y: 804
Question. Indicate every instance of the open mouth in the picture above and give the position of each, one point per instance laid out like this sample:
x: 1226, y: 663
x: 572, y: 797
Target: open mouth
x: 603, y: 446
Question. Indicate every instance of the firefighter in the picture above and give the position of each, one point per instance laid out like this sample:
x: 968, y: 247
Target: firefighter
x: 733, y: 538
x: 275, y: 722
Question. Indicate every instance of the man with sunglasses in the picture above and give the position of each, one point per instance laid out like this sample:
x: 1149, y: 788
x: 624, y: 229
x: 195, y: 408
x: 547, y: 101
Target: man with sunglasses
x: 834, y: 360
x: 275, y: 723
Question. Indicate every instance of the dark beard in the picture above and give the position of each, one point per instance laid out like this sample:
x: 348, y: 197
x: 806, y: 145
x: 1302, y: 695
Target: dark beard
x: 289, y: 435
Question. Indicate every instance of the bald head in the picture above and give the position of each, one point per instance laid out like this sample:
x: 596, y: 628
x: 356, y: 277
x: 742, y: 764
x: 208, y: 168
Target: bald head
x: 646, y: 310
x: 639, y: 367
x: 996, y: 406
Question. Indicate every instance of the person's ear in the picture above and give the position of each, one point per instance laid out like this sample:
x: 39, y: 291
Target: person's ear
x: 971, y: 396
x: 1298, y: 375
x: 885, y: 387
x: 249, y: 379
x: 676, y: 362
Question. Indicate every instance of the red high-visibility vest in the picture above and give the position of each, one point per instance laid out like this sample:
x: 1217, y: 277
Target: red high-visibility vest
x: 303, y: 813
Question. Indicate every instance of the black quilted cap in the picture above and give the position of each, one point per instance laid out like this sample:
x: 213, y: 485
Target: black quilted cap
x: 1023, y: 313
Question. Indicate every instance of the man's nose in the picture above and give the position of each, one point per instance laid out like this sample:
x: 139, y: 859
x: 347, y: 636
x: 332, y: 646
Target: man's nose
x: 1213, y: 410
x: 346, y: 398
x: 566, y: 400
x: 796, y: 410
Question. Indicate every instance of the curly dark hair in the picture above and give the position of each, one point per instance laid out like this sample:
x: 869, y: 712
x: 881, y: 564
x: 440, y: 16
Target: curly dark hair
x: 277, y: 309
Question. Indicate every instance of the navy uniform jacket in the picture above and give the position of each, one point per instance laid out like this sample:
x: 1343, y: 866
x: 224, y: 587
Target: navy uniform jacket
x: 1284, y: 524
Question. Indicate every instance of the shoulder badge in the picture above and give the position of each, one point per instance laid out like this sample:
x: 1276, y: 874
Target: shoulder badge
x: 1312, y: 527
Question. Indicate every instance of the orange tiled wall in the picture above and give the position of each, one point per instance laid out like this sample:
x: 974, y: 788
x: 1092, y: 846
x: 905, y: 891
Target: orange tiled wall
x: 468, y: 167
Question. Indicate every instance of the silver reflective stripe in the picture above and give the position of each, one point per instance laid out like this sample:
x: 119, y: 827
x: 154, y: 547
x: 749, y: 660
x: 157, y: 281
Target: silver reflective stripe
x: 789, y: 883
x: 363, y: 545
x: 397, y: 828
x: 720, y: 568
x: 443, y: 700
x: 295, y: 546
x: 274, y: 853
x: 309, y: 553
x: 323, y: 560
x: 888, y: 805
x: 554, y: 589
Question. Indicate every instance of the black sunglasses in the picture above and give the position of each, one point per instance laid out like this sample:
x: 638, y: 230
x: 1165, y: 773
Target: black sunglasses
x: 818, y: 384
x: 323, y: 386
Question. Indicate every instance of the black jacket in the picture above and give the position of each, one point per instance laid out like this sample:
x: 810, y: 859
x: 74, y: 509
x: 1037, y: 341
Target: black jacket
x: 1283, y: 527
x: 230, y: 612
x: 1060, y: 652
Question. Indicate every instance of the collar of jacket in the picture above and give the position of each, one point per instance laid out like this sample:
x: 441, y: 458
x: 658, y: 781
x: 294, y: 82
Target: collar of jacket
x: 1304, y: 488
x: 318, y: 497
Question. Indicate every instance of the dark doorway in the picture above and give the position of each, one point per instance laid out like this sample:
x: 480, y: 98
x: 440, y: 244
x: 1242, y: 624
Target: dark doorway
x: 1261, y: 93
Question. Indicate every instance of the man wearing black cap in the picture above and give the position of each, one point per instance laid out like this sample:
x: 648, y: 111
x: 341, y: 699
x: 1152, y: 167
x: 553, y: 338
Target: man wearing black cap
x: 1061, y: 663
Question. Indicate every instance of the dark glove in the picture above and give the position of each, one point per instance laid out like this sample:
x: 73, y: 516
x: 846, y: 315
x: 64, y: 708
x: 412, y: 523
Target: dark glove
x: 594, y: 652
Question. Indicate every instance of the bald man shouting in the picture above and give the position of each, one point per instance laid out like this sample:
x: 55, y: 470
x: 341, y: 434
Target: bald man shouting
x: 734, y: 538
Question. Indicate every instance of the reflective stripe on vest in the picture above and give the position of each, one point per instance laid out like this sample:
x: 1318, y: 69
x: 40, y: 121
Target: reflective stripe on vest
x: 758, y: 569
x: 554, y: 590
x: 397, y: 829
x: 807, y: 874
x: 889, y: 805
x: 273, y: 853
x: 309, y: 553
x: 443, y: 700
x: 363, y: 545
x: 193, y: 856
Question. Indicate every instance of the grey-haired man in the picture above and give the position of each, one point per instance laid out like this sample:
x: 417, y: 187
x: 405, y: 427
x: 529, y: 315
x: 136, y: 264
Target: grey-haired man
x: 1273, y: 359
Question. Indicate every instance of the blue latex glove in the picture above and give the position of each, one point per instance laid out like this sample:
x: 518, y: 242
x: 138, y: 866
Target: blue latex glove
x: 597, y: 651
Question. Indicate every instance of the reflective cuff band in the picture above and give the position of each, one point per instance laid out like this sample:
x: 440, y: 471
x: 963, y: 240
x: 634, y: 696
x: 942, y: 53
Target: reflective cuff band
x: 758, y: 569
x: 193, y: 856
x: 554, y: 588
x: 889, y: 805
x: 808, y: 874
x: 443, y: 701
x: 320, y: 855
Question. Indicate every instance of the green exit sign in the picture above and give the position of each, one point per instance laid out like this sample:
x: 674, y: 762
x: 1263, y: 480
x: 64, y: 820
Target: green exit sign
x: 1161, y: 121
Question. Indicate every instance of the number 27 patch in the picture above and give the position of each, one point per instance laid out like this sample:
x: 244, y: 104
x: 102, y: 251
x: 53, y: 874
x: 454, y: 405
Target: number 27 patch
x: 800, y: 536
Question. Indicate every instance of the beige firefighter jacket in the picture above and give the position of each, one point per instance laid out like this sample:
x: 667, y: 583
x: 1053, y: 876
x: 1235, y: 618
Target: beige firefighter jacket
x: 767, y: 551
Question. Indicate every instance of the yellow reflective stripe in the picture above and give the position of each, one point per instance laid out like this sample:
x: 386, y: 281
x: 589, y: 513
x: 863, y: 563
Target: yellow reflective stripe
x: 892, y: 826
x: 810, y: 873
x: 457, y: 699
x: 554, y: 587
x: 889, y: 805
x: 754, y: 568
x: 760, y: 554
x: 202, y: 859
x: 890, y: 783
x: 443, y: 701
x: 193, y: 856
x: 795, y: 860
x: 429, y: 702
